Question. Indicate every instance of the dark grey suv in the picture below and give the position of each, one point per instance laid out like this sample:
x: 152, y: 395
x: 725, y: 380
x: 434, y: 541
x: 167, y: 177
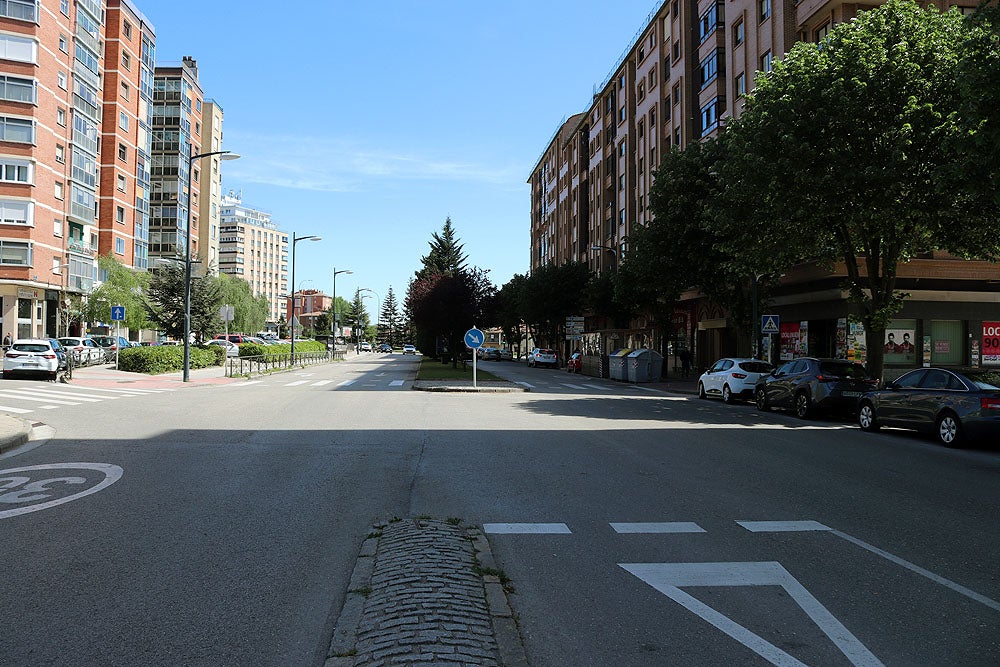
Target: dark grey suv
x: 811, y: 385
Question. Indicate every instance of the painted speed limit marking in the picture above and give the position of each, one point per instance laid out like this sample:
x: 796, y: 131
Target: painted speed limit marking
x: 40, y: 487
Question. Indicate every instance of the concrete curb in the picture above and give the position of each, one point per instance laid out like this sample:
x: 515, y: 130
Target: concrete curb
x: 487, y: 387
x: 14, y: 432
x: 419, y: 578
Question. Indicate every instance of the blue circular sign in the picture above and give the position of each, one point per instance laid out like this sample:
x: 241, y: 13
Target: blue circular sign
x: 474, y: 338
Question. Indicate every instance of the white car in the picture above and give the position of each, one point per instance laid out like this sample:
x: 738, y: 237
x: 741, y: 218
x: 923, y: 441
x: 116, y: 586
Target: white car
x: 541, y: 356
x: 366, y: 346
x: 232, y: 349
x: 83, y: 348
x: 409, y: 349
x: 32, y: 356
x: 732, y: 377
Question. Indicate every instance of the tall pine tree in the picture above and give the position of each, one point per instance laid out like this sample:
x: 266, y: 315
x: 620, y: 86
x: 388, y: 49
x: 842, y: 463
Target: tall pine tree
x: 445, y: 255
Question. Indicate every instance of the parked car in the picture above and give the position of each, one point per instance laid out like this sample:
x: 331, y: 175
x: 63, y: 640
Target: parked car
x: 385, y: 347
x: 409, y: 349
x: 575, y: 362
x: 83, y: 348
x: 504, y: 354
x: 234, y: 338
x: 232, y: 349
x: 731, y: 378
x: 809, y: 385
x: 955, y: 405
x: 112, y: 343
x: 541, y: 356
x: 366, y: 346
x: 32, y: 356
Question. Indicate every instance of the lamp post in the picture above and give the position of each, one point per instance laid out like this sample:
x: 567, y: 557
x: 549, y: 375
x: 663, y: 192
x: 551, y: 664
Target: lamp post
x: 614, y: 253
x: 336, y: 315
x: 223, y: 155
x: 296, y: 239
x: 378, y: 306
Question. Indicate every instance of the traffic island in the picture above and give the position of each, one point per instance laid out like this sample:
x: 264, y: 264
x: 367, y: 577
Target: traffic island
x: 426, y: 591
x: 485, y: 387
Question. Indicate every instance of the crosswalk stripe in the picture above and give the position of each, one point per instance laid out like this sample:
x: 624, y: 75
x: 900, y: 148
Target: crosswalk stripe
x: 572, y: 386
x: 16, y: 411
x: 296, y: 383
x: 70, y: 397
x: 345, y: 383
x: 321, y: 383
x: 126, y: 392
x: 597, y: 386
x: 35, y: 399
x: 396, y: 383
x: 526, y: 529
x: 661, y: 527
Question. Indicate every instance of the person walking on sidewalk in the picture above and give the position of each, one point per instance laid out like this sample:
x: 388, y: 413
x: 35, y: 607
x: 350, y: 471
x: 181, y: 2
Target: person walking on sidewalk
x: 7, y: 341
x: 685, y: 356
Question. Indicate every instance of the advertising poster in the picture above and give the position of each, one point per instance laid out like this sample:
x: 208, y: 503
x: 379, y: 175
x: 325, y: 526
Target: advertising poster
x: 899, y: 347
x: 789, y: 340
x: 841, y: 351
x: 927, y: 350
x: 857, y: 349
x: 991, y: 344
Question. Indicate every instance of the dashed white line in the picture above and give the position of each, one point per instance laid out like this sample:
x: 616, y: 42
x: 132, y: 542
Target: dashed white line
x: 396, y: 383
x: 345, y: 383
x: 572, y: 386
x: 296, y: 383
x: 526, y: 528
x: 321, y: 383
x: 655, y: 528
x: 781, y: 526
x: 526, y: 384
x: 597, y: 386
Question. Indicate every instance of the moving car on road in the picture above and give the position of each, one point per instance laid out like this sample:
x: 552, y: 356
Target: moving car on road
x: 809, y: 385
x: 731, y: 378
x: 541, y: 356
x: 409, y: 349
x: 365, y: 346
x: 31, y: 356
x: 954, y: 405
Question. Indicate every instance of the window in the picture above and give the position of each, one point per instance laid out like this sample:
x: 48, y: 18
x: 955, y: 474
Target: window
x: 21, y: 130
x: 652, y: 77
x: 765, y: 9
x: 60, y: 154
x: 61, y: 116
x: 677, y: 136
x: 61, y: 79
x: 15, y: 212
x: 122, y: 153
x: 677, y: 50
x: 652, y: 122
x: 621, y: 217
x: 13, y: 170
x: 621, y: 149
x: 57, y: 227
x: 642, y: 90
x: 127, y: 61
x: 621, y: 114
x: 122, y: 183
x: 740, y: 84
x: 21, y: 49
x: 17, y: 253
x: 675, y: 9
x: 120, y: 214
x: 642, y: 165
x: 59, y: 190
x: 621, y: 183
x: 822, y: 32
x: 119, y: 246
x: 710, y: 66
x: 621, y: 82
x: 123, y: 120
x: 709, y: 22
x: 738, y: 35
x: 16, y: 89
x: 677, y: 95
x: 127, y: 30
x: 63, y: 44
x: 25, y: 10
x: 642, y: 53
x: 765, y: 62
x: 64, y: 7
x: 125, y: 91
x: 710, y: 116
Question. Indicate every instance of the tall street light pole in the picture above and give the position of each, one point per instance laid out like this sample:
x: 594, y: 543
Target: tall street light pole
x: 378, y: 306
x: 296, y: 239
x: 224, y: 155
x: 614, y: 253
x: 336, y: 314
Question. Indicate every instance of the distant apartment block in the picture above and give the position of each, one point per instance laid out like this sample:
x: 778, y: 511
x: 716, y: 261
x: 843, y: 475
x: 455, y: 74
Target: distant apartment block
x: 210, y: 187
x: 687, y: 71
x: 252, y: 247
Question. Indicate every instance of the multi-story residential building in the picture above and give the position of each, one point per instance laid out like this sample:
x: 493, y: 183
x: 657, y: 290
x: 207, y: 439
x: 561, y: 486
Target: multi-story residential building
x: 51, y: 69
x: 210, y: 188
x: 253, y: 248
x: 126, y: 140
x: 308, y: 305
x: 688, y: 69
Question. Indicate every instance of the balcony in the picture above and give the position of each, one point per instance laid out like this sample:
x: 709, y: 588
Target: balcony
x: 81, y: 248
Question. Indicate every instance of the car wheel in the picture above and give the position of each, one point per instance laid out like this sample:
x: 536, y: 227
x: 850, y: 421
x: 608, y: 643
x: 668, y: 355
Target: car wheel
x: 701, y: 391
x: 949, y: 430
x: 866, y: 418
x: 727, y: 394
x: 803, y: 406
x: 760, y: 400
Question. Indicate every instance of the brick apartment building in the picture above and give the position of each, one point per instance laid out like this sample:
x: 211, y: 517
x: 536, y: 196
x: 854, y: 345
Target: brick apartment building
x: 94, y: 143
x: 687, y: 71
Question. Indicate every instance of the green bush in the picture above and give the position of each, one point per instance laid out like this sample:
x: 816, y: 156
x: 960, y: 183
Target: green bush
x: 157, y: 359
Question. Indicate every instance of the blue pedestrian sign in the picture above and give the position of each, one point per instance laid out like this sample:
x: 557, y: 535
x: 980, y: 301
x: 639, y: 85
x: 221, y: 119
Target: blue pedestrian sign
x: 769, y: 324
x: 117, y: 313
x: 474, y: 338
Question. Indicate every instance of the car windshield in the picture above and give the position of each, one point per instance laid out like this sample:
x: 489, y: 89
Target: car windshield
x: 988, y: 380
x: 843, y: 369
x: 104, y: 340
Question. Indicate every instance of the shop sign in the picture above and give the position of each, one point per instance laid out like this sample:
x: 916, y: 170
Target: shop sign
x: 23, y: 293
x: 942, y: 346
x: 991, y: 343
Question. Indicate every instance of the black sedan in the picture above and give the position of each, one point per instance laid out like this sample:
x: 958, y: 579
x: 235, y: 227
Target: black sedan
x: 811, y: 385
x: 954, y: 405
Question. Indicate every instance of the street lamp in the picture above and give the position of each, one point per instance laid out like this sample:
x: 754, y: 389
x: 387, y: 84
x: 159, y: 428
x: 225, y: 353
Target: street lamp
x: 336, y: 315
x: 614, y: 253
x: 223, y: 155
x: 378, y: 307
x: 296, y: 239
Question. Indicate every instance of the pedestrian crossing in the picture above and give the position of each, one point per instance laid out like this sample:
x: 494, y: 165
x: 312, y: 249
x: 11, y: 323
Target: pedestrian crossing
x: 24, y: 399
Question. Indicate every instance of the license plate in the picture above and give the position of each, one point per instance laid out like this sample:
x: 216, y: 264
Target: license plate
x: 850, y: 393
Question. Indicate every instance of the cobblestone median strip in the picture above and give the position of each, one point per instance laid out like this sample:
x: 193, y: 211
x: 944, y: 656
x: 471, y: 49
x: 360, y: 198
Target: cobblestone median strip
x: 425, y: 592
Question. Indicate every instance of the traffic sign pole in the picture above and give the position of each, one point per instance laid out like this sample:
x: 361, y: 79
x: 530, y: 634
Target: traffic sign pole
x: 474, y: 339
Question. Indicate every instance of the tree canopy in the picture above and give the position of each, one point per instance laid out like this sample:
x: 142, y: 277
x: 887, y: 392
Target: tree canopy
x: 121, y: 286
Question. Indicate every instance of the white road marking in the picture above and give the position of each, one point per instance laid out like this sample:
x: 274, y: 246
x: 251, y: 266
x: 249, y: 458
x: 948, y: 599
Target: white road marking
x: 572, y: 386
x: 345, y: 383
x: 16, y: 411
x: 664, y: 527
x: 396, y: 383
x: 35, y: 399
x: 245, y: 384
x: 668, y: 578
x: 526, y: 529
x: 68, y: 395
x: 656, y: 391
x: 782, y: 526
x: 126, y: 392
x: 48, y: 407
x: 958, y: 588
x: 296, y: 383
x: 597, y: 386
x: 526, y: 384
x: 321, y: 383
x: 39, y: 489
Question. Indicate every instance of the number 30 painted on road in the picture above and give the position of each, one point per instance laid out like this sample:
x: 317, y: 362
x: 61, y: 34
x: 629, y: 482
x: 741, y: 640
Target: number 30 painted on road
x: 47, y: 492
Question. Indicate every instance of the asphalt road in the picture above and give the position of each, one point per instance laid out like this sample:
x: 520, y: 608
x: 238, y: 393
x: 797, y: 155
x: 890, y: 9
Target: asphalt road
x: 637, y: 528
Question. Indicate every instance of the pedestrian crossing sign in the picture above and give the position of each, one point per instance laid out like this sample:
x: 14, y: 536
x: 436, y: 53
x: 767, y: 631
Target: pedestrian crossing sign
x: 769, y: 324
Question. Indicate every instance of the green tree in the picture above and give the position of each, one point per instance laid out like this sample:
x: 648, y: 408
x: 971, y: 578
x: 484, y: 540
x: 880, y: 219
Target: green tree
x: 390, y: 317
x: 510, y: 308
x: 166, y: 302
x: 250, y: 313
x: 445, y: 255
x: 357, y: 316
x: 838, y: 155
x: 552, y: 293
x: 120, y: 286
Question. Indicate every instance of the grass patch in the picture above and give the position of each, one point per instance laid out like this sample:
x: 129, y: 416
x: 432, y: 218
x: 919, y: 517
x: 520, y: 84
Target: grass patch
x: 431, y: 369
x: 364, y: 591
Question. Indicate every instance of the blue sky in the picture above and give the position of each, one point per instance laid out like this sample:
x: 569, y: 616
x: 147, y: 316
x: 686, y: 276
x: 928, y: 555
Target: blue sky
x: 369, y: 123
